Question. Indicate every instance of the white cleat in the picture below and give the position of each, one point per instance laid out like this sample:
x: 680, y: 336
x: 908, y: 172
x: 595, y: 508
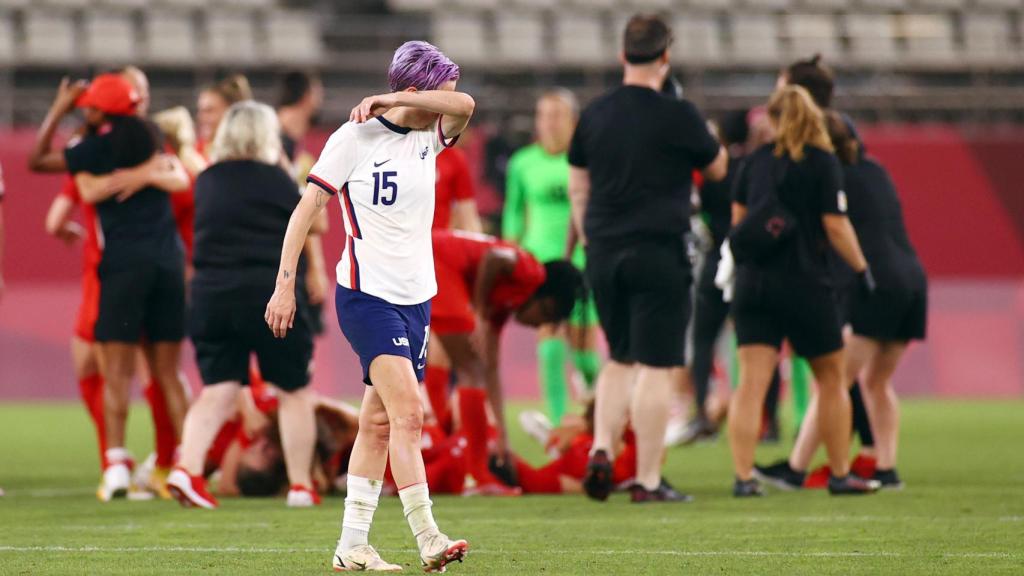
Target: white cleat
x: 438, y: 551
x: 362, y: 558
x: 536, y: 425
x: 117, y: 478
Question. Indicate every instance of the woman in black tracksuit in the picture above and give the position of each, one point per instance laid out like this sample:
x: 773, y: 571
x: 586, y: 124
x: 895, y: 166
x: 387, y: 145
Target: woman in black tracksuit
x: 789, y: 207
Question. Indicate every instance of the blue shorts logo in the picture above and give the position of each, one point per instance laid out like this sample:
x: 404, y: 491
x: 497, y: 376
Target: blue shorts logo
x: 402, y: 341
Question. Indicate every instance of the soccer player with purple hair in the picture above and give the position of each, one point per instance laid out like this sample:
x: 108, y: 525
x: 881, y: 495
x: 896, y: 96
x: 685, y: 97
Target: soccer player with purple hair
x: 381, y: 166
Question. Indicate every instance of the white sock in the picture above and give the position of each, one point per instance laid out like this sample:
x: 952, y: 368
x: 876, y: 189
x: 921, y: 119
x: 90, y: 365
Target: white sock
x: 360, y: 504
x: 117, y: 455
x: 416, y: 505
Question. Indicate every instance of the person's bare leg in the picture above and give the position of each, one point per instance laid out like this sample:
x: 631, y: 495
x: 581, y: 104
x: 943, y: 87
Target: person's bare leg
x: 757, y: 362
x: 611, y: 404
x: 395, y: 382
x: 297, y: 422
x: 216, y: 403
x: 884, y: 404
x: 650, y: 406
x: 370, y: 451
x: 808, y: 440
x: 834, y: 412
x: 165, y: 360
x: 117, y: 365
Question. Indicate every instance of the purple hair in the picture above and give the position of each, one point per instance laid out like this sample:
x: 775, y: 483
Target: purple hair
x: 420, y: 65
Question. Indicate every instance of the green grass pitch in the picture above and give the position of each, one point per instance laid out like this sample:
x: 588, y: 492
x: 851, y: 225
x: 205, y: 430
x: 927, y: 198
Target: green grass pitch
x: 962, y: 513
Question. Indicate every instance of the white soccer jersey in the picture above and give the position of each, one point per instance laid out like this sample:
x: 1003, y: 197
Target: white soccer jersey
x: 384, y: 177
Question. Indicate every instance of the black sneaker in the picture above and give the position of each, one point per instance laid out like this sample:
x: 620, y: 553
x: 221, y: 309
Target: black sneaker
x: 597, y: 482
x: 747, y: 488
x: 851, y: 485
x: 663, y: 493
x: 888, y: 479
x: 780, y: 475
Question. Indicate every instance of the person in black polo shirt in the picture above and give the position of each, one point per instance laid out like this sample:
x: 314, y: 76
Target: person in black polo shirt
x: 243, y: 203
x: 789, y: 206
x: 631, y: 163
x: 142, y: 287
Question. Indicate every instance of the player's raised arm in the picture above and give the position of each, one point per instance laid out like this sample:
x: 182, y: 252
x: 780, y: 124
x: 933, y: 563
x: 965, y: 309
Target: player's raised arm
x: 281, y: 308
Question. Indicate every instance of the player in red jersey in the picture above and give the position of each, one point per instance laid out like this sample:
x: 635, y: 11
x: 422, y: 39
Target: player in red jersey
x: 454, y: 195
x: 481, y: 283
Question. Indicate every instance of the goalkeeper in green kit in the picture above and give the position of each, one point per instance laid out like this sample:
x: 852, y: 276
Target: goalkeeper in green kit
x: 537, y: 217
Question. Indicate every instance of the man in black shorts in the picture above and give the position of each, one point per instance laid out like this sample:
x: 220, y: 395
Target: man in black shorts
x: 631, y: 164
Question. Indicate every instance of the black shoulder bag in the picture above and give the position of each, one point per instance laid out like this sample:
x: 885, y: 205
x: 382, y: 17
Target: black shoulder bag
x: 764, y: 229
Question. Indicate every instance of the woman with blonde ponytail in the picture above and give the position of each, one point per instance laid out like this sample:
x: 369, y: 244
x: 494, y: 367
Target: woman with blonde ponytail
x: 788, y: 208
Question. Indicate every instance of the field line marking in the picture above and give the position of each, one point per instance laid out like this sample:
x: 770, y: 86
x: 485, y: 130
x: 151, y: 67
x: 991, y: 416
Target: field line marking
x: 679, y: 553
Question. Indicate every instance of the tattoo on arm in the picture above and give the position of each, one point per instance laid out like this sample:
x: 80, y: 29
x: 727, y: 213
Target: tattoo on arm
x: 321, y: 198
x: 286, y: 275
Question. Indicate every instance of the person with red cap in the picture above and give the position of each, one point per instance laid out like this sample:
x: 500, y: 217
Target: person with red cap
x: 119, y: 170
x: 59, y: 223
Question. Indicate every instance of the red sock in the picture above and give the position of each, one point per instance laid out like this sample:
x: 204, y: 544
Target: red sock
x: 538, y: 480
x: 436, y: 382
x: 164, y: 437
x: 91, y: 388
x: 473, y: 411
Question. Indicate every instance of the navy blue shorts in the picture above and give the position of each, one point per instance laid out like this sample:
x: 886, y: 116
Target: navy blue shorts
x: 375, y: 327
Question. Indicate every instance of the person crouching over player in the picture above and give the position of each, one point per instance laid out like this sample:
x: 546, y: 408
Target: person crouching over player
x: 243, y: 202
x: 482, y: 281
x: 381, y: 165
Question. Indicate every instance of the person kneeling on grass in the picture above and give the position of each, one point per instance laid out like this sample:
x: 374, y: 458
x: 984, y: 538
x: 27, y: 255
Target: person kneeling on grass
x: 243, y: 203
x: 482, y: 281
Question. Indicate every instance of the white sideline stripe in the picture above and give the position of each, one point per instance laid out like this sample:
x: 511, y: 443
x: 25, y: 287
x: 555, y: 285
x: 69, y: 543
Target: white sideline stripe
x: 680, y: 553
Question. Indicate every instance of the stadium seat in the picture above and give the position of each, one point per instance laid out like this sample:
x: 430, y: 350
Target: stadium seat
x: 462, y: 36
x: 109, y: 37
x: 50, y: 37
x: 818, y: 5
x: 767, y: 4
x: 652, y: 4
x: 412, y: 5
x: 709, y: 4
x: 293, y: 37
x: 230, y: 37
x: 698, y: 39
x: 580, y: 39
x: 938, y: 4
x: 476, y: 4
x: 7, y: 43
x: 64, y: 3
x: 170, y: 37
x: 184, y: 3
x: 872, y: 38
x: 883, y: 4
x: 811, y: 34
x: 234, y: 4
x: 755, y: 38
x: 929, y: 37
x: 1003, y: 4
x: 126, y: 3
x: 13, y: 4
x: 988, y: 39
x: 520, y: 37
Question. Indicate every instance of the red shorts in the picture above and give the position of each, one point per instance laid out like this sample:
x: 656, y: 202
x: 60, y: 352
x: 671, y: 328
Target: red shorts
x: 89, y: 308
x: 451, y: 311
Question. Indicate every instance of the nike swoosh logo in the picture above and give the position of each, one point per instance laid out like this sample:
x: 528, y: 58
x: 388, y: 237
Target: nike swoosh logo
x: 376, y: 165
x: 421, y: 366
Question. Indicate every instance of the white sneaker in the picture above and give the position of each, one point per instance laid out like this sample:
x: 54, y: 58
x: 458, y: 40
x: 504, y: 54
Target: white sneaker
x: 536, y: 425
x: 438, y: 551
x: 362, y: 558
x: 302, y: 497
x: 117, y: 478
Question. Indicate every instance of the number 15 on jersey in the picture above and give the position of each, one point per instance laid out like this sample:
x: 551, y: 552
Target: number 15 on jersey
x: 382, y: 181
